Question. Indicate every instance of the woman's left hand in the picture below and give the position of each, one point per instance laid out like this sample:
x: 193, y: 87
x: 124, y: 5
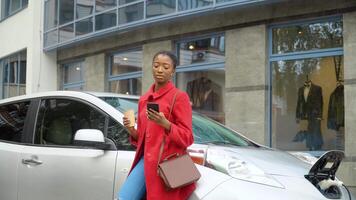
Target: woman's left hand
x: 159, y: 118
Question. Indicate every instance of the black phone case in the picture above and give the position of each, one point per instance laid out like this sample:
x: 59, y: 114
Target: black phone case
x: 153, y: 106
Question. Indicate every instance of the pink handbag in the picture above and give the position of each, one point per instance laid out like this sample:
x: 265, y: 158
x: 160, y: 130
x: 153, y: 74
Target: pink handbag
x: 176, y: 170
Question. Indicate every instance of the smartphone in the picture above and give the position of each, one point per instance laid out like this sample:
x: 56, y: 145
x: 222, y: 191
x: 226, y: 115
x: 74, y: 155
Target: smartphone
x: 154, y: 106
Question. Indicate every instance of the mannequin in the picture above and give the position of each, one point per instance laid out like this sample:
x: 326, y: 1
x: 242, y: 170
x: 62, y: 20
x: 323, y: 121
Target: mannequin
x: 309, y: 113
x: 204, y: 98
x: 336, y: 114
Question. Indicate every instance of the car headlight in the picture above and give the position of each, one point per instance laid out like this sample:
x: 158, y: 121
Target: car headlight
x: 305, y: 157
x: 226, y: 162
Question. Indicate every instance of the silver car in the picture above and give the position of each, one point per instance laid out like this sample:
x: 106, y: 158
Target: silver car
x: 67, y: 145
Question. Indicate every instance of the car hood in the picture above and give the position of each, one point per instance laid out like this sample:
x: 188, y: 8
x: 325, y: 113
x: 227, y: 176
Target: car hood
x: 271, y: 161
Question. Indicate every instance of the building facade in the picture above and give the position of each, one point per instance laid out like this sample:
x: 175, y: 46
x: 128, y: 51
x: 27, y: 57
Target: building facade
x: 280, y: 72
x: 24, y: 67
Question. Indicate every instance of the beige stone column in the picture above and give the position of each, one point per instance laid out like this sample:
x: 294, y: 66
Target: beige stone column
x: 246, y: 93
x: 149, y: 50
x: 94, y: 76
x: 347, y: 171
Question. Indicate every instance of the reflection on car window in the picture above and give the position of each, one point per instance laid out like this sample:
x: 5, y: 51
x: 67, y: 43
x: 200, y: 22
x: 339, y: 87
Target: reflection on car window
x: 208, y: 131
x: 122, y: 104
x: 59, y: 119
x: 12, y: 118
x: 205, y: 130
x: 119, y: 135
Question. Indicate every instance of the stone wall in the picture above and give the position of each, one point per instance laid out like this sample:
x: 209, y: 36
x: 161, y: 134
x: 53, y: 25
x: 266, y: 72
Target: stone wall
x: 246, y: 93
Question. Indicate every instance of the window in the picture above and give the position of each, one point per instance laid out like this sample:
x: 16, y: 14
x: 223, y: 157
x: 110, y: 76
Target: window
x: 122, y: 2
x: 59, y: 119
x: 84, y: 26
x: 191, y: 4
x: 116, y: 132
x: 119, y: 134
x: 51, y: 37
x: 201, y: 74
x: 131, y: 13
x: 160, y: 7
x: 105, y: 20
x: 12, y: 120
x: 205, y: 90
x: 66, y: 33
x: 122, y: 104
x: 126, y: 72
x: 306, y: 37
x: 205, y: 50
x: 73, y: 76
x: 66, y: 11
x: 84, y: 8
x: 307, y: 86
x: 13, y: 75
x: 95, y: 16
x: 131, y: 86
x: 102, y: 5
x: 10, y: 7
x: 51, y: 14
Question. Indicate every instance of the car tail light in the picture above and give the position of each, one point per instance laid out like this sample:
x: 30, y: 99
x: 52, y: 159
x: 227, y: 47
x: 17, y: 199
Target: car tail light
x: 198, y: 160
x: 198, y: 156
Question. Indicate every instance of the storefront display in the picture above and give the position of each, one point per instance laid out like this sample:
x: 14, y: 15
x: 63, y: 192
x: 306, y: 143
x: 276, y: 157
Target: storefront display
x: 203, y: 76
x: 307, y: 90
x: 205, y: 90
x: 307, y: 110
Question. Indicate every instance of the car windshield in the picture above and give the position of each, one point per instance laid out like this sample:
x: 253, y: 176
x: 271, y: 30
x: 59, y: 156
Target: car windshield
x: 122, y: 104
x: 206, y: 131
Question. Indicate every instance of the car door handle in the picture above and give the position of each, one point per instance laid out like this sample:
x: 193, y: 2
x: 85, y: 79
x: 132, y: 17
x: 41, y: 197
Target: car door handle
x: 125, y: 170
x: 32, y: 161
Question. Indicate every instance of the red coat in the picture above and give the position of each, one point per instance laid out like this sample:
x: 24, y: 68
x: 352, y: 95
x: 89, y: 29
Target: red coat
x: 150, y: 137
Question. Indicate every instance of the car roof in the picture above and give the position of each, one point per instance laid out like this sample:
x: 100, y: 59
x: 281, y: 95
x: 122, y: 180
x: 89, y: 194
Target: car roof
x: 64, y: 93
x: 110, y: 94
x: 91, y: 98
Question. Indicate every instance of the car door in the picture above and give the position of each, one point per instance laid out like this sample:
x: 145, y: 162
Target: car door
x: 12, y: 130
x: 54, y: 168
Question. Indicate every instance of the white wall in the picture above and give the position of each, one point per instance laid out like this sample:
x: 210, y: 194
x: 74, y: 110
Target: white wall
x: 24, y: 31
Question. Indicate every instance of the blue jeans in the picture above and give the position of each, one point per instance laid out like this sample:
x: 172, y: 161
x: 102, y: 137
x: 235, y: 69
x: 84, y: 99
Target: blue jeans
x: 134, y: 187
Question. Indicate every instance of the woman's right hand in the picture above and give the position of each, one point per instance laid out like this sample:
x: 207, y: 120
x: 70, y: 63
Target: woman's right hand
x: 126, y: 122
x: 131, y: 129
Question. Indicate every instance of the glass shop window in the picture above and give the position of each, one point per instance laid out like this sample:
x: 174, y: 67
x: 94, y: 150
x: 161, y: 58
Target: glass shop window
x: 126, y: 72
x: 206, y: 50
x: 206, y: 91
x: 308, y: 93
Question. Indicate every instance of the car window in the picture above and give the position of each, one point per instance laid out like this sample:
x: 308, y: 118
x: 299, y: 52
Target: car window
x: 122, y: 104
x: 59, y: 119
x: 118, y: 133
x: 209, y: 131
x: 205, y: 130
x: 12, y: 120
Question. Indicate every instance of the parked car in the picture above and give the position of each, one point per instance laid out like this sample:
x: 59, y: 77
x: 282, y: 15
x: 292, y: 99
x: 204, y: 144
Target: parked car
x: 72, y: 145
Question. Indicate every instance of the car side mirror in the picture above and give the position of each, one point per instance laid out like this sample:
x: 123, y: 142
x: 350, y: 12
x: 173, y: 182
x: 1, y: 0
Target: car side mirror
x: 90, y: 138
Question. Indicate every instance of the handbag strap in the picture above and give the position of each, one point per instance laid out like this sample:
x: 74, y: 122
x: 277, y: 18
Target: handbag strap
x: 164, y: 136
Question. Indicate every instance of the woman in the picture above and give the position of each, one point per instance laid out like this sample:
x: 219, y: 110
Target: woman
x: 151, y: 127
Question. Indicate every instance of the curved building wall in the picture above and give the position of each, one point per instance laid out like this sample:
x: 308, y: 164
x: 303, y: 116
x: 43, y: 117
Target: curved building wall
x: 255, y: 100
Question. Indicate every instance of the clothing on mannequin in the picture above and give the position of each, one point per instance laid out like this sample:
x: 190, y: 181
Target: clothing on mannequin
x: 307, y: 86
x: 336, y: 109
x: 309, y: 111
x: 204, y: 98
x: 202, y: 94
x: 336, y: 114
